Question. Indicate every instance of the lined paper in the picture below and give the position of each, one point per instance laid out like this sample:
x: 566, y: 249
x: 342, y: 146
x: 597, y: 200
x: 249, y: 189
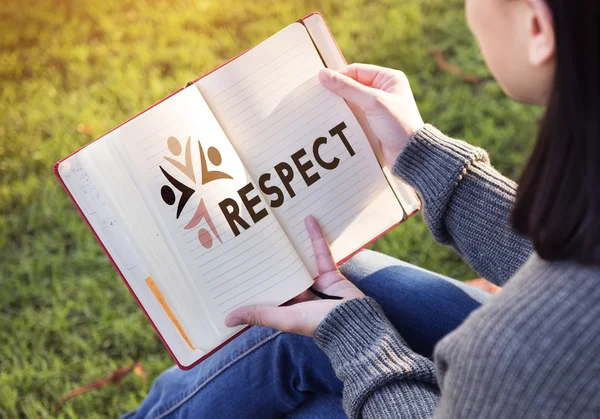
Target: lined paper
x: 271, y: 104
x: 258, y: 266
x: 92, y: 199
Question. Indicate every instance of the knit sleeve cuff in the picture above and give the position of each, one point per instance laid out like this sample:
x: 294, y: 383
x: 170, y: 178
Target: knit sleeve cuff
x: 367, y: 353
x: 434, y: 164
x: 351, y: 328
x: 356, y: 334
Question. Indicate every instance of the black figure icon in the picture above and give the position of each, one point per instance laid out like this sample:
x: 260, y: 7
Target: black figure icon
x: 168, y: 195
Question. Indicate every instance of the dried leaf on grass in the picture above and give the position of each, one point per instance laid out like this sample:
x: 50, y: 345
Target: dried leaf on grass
x: 444, y: 65
x: 113, y: 378
x: 138, y: 369
x: 85, y: 129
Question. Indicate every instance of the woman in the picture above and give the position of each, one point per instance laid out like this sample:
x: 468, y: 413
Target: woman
x: 533, y: 350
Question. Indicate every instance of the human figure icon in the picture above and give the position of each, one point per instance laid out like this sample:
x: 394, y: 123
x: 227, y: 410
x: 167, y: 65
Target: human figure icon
x: 214, y: 156
x: 168, y: 195
x: 204, y: 236
x: 175, y: 148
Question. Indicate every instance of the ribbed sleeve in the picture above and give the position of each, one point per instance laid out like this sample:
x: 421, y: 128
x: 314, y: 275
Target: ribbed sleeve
x: 375, y: 364
x: 466, y: 202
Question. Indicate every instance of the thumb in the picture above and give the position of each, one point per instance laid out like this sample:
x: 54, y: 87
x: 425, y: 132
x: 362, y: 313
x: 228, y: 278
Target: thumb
x: 347, y: 88
x: 257, y: 315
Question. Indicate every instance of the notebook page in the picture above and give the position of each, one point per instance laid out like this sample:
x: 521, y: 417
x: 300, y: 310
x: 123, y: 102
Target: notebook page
x: 191, y: 178
x: 91, y: 200
x: 284, y: 124
x: 126, y: 203
x: 333, y: 58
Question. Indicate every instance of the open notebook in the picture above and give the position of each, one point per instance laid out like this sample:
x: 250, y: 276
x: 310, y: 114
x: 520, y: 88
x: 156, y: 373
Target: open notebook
x: 199, y: 201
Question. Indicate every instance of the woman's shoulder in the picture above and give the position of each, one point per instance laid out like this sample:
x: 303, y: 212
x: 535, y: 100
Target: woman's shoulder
x: 535, y: 341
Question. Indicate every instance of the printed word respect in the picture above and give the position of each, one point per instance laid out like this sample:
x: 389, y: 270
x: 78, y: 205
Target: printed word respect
x: 302, y: 166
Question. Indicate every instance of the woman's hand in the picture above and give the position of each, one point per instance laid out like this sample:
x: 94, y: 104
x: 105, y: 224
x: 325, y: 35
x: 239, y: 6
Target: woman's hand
x: 384, y: 95
x: 304, y: 313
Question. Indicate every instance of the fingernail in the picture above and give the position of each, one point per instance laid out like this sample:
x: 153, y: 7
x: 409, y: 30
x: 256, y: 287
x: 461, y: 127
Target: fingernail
x: 325, y: 75
x: 231, y: 321
x: 310, y: 221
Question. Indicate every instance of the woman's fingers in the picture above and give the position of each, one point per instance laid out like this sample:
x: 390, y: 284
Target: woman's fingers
x: 323, y: 257
x: 326, y: 267
x: 348, y: 88
x: 259, y: 315
x: 362, y: 73
x: 370, y: 75
x: 302, y: 318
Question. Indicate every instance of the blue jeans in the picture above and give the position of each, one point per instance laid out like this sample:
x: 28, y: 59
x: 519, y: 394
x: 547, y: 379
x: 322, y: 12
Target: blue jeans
x: 269, y: 374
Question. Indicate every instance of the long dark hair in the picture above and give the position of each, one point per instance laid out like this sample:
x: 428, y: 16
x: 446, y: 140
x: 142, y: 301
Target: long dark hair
x: 558, y: 198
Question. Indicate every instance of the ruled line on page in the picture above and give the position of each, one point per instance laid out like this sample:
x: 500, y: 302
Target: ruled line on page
x: 267, y: 78
x: 323, y: 186
x: 157, y: 142
x: 237, y: 245
x: 269, y: 278
x: 240, y: 274
x: 261, y: 120
x: 327, y: 223
x: 278, y: 252
x: 281, y: 119
x: 251, y: 267
x: 261, y: 291
x: 258, y: 69
x: 313, y: 124
x: 278, y: 111
x: 249, y: 279
x: 288, y: 148
x: 267, y: 94
x: 271, y: 84
x: 354, y: 188
x: 223, y: 221
x: 231, y: 255
x: 263, y: 78
x: 342, y: 190
x: 154, y: 133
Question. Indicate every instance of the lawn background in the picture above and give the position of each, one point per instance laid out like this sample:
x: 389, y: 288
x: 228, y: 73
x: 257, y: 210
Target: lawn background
x: 71, y: 70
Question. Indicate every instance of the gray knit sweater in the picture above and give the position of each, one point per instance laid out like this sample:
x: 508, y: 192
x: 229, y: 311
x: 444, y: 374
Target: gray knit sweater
x: 531, y: 351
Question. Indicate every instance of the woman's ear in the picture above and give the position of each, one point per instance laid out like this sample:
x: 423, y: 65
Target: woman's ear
x: 542, y: 45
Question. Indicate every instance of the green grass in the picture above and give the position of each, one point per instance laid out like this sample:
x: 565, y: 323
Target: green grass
x: 65, y: 317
